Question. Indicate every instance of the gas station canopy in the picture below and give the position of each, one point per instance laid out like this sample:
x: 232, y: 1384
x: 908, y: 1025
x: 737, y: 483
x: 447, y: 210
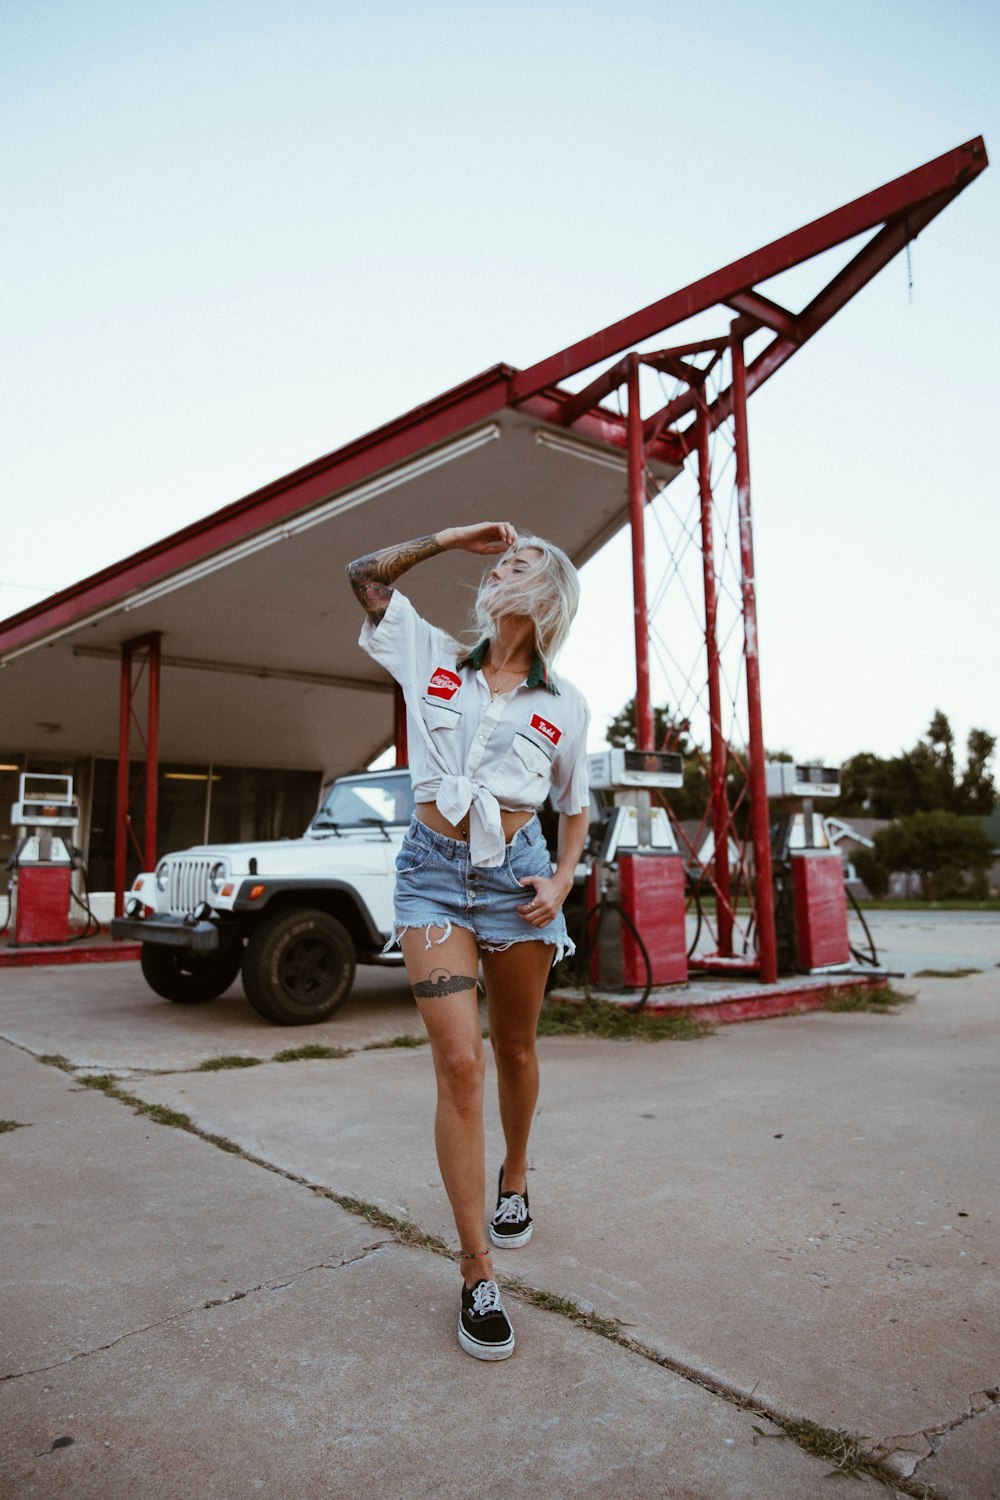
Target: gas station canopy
x: 258, y: 625
x: 257, y: 628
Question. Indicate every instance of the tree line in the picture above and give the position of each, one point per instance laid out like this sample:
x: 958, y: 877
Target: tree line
x: 935, y: 805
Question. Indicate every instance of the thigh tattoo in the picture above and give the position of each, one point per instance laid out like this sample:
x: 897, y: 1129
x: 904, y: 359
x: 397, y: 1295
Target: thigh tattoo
x: 443, y: 982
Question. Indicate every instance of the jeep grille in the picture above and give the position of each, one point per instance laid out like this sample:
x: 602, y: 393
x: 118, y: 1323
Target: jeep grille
x: 188, y: 883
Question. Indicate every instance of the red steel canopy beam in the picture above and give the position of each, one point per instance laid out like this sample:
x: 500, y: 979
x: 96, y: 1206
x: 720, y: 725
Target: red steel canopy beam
x: 945, y: 175
x: 845, y: 285
x: 762, y: 310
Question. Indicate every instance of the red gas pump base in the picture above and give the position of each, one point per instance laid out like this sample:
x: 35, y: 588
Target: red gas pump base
x: 79, y: 950
x: 720, y: 1002
x: 41, y: 911
x: 820, y: 909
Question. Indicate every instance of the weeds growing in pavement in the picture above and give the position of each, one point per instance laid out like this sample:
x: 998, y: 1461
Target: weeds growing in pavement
x: 407, y: 1039
x: 107, y: 1083
x: 844, y: 1449
x: 233, y: 1060
x: 400, y: 1229
x: 945, y: 973
x: 308, y: 1051
x: 6, y: 1125
x: 880, y: 1001
x: 601, y: 1018
x: 56, y: 1060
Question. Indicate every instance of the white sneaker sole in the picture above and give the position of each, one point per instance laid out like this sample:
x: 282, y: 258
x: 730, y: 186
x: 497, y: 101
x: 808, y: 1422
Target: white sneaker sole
x: 512, y: 1240
x: 484, y: 1351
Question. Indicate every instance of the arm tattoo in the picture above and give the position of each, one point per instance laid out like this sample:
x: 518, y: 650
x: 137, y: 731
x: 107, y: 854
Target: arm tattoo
x: 443, y: 983
x: 372, y: 577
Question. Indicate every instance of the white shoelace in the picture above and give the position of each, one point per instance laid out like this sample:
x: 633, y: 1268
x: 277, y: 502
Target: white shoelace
x: 486, y: 1298
x: 512, y: 1210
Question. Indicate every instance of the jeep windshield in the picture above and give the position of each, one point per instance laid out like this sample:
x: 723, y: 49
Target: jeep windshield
x: 364, y: 802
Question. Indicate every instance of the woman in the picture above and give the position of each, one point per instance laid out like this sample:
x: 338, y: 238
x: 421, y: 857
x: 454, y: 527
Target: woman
x: 491, y: 733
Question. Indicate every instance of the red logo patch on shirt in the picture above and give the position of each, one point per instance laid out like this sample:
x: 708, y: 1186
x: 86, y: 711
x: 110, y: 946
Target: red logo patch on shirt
x: 443, y: 684
x: 551, y: 733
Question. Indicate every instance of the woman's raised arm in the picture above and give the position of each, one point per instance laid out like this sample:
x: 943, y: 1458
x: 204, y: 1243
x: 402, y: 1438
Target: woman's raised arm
x: 372, y: 576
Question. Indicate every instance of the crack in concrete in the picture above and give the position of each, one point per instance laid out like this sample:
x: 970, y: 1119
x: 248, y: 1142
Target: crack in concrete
x: 905, y: 1452
x: 133, y: 1073
x: 272, y: 1284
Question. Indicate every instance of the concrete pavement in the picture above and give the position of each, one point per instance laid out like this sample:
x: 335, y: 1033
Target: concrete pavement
x: 793, y: 1217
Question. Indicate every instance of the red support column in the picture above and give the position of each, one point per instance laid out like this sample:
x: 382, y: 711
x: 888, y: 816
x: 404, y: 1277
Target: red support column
x: 152, y: 747
x: 644, y: 738
x: 767, y: 949
x: 399, y: 727
x: 719, y: 750
x: 148, y: 648
x: 121, y: 801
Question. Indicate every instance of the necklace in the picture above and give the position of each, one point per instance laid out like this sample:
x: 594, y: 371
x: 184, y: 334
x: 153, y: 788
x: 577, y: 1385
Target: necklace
x: 494, y: 673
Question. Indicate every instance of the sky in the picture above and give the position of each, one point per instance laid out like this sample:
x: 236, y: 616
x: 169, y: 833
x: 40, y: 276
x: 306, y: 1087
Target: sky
x: 238, y: 236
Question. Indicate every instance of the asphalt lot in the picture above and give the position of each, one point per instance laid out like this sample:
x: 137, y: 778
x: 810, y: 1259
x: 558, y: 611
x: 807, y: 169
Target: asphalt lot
x: 789, y: 1222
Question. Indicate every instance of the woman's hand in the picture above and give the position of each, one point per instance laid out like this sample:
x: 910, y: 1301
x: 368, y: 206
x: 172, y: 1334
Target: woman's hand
x: 485, y: 538
x: 550, y: 891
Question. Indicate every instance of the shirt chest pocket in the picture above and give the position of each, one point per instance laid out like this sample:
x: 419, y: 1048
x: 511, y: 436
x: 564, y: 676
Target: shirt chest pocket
x: 524, y: 773
x: 440, y: 719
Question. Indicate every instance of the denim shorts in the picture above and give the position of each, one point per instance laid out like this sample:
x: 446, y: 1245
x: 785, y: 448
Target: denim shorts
x: 438, y: 886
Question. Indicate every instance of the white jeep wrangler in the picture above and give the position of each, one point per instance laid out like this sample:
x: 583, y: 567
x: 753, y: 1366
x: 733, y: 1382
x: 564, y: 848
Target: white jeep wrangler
x: 296, y: 916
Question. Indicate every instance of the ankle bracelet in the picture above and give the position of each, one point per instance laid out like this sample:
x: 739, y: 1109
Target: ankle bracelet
x: 474, y: 1254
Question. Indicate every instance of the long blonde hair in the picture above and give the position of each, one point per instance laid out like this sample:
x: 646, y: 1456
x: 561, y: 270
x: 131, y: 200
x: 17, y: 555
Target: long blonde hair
x: 548, y: 591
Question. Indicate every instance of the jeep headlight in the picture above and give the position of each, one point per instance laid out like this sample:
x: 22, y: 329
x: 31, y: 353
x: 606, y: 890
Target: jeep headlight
x: 162, y: 875
x: 217, y: 875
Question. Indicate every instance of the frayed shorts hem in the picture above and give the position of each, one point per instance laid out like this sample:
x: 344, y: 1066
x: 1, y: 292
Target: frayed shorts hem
x: 564, y: 945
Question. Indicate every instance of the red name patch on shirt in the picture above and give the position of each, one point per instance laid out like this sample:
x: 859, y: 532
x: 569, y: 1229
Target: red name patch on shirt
x: 443, y: 684
x: 551, y: 733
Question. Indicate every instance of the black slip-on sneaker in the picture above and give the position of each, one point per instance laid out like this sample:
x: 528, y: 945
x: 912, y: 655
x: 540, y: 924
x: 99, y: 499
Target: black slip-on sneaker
x: 484, y: 1329
x: 511, y: 1224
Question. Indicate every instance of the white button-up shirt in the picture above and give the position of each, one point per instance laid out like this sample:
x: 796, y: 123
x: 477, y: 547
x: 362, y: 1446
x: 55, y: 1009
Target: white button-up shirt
x: 469, y: 754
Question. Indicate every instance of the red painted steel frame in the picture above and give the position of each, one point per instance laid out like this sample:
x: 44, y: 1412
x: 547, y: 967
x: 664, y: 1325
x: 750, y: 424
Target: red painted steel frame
x: 719, y: 751
x: 929, y: 187
x: 140, y: 657
x: 644, y: 737
x: 399, y: 730
x: 767, y: 946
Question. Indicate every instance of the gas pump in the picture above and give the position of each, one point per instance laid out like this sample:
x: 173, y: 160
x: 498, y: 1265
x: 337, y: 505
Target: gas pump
x: 810, y: 896
x: 637, y: 882
x: 42, y: 865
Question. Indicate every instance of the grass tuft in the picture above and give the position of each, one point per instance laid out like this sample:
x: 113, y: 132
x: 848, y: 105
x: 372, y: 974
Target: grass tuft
x: 843, y: 1449
x: 107, y: 1083
x: 6, y: 1125
x: 56, y: 1060
x: 401, y: 1229
x: 310, y: 1050
x: 880, y: 1002
x: 601, y: 1018
x: 160, y: 1113
x: 945, y: 973
x: 213, y: 1140
x: 233, y: 1060
x: 406, y: 1039
x: 608, y: 1328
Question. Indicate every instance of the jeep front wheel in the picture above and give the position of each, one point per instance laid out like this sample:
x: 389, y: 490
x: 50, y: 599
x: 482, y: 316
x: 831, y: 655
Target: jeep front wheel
x: 187, y: 978
x: 299, y: 967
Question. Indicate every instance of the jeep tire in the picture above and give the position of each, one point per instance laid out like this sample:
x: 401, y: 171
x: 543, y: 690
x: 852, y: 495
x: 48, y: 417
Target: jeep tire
x: 187, y: 978
x: 299, y: 967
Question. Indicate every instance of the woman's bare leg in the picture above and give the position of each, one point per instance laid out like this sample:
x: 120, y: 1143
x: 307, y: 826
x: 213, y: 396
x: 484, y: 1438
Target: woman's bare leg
x: 515, y: 989
x: 443, y: 980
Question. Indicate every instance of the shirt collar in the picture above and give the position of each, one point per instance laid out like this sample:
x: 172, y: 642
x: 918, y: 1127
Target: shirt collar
x: 537, y: 677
